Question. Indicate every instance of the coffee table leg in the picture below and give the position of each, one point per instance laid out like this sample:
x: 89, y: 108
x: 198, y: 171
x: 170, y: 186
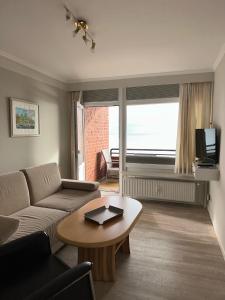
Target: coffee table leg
x: 125, y: 247
x: 103, y: 259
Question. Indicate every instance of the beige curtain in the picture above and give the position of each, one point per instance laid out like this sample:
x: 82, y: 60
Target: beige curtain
x: 195, y: 111
x: 75, y: 97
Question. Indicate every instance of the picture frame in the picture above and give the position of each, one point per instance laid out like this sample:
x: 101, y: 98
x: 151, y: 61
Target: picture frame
x: 24, y: 118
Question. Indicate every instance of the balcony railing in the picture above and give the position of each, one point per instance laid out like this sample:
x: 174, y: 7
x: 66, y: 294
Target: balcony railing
x: 147, y: 156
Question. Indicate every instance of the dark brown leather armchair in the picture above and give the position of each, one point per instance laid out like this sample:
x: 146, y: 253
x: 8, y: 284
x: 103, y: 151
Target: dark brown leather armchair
x: 30, y: 271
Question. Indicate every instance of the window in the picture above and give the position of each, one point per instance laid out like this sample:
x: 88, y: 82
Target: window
x: 152, y: 132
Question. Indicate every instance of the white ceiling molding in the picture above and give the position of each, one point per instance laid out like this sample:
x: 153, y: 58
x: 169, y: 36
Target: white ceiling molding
x: 12, y: 63
x: 147, y: 75
x: 219, y: 57
x: 163, y: 78
x: 16, y: 65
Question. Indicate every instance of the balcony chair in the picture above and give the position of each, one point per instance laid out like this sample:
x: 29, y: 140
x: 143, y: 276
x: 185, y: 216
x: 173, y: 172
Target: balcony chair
x: 111, y: 172
x: 30, y: 271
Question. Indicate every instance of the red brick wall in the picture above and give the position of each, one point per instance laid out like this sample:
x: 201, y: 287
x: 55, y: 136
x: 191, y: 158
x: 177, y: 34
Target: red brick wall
x: 96, y: 138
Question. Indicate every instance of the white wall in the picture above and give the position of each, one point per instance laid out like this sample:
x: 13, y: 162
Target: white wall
x: 217, y: 189
x: 52, y: 144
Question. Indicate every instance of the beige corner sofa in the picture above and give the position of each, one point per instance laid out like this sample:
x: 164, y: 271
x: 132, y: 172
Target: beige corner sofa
x: 39, y: 199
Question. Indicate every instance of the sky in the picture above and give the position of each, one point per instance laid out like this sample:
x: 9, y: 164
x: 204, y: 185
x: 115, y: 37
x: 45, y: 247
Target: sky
x: 149, y: 126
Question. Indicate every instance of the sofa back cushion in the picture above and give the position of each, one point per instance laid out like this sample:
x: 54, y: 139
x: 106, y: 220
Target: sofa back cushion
x: 43, y: 181
x: 14, y: 193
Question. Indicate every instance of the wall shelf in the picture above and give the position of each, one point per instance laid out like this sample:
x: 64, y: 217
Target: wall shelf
x: 206, y: 173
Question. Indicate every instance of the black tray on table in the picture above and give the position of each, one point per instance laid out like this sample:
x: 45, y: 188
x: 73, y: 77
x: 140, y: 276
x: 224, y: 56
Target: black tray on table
x: 103, y: 214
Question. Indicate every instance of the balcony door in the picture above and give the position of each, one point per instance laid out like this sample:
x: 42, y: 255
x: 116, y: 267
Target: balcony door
x: 80, y: 162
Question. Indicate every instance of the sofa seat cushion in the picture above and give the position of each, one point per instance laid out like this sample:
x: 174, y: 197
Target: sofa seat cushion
x: 68, y: 199
x: 42, y: 181
x: 8, y: 226
x: 34, y: 218
x: 14, y: 193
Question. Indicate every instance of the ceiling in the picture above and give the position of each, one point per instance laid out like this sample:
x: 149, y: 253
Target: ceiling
x: 133, y: 38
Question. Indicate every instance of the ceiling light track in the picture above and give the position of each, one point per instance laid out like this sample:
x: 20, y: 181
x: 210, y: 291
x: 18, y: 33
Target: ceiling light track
x: 80, y: 26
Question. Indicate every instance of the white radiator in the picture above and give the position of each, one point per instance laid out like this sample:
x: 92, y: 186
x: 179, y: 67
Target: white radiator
x: 147, y: 188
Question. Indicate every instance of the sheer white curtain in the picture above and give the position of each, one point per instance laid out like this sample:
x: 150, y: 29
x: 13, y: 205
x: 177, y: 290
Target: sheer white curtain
x: 195, y: 111
x: 75, y: 97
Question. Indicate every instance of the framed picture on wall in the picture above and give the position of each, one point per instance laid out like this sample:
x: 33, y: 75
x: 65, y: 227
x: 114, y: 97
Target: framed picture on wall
x: 24, y: 117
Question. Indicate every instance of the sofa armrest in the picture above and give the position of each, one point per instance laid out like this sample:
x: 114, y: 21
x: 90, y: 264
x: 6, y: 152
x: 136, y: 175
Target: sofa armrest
x: 33, y: 246
x: 75, y: 283
x: 80, y: 185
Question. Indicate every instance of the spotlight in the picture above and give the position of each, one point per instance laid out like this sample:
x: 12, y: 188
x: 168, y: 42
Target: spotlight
x: 80, y: 25
x: 68, y: 14
x: 76, y: 31
x: 93, y: 44
x: 84, y: 37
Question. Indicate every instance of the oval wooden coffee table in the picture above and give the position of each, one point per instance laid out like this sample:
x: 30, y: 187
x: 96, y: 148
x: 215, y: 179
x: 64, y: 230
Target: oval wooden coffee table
x: 100, y: 243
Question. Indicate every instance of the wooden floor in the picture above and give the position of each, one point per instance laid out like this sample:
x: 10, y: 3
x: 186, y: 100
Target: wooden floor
x: 109, y: 186
x: 174, y: 256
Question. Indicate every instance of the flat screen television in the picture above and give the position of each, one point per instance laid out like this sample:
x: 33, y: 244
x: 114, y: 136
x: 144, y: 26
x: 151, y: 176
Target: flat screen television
x: 206, y: 146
